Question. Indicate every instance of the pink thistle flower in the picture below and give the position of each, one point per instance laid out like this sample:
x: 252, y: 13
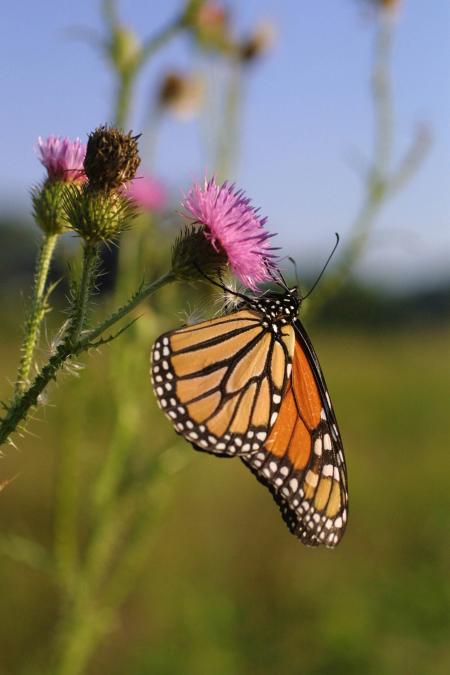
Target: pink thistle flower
x: 62, y: 157
x: 234, y: 227
x: 146, y: 192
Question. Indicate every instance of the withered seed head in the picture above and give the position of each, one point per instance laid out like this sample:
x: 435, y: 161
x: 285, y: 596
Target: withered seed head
x: 112, y: 158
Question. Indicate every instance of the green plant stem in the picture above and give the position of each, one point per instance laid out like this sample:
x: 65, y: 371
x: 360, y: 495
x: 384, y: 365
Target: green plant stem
x: 378, y: 182
x: 126, y: 80
x: 143, y: 292
x: 154, y: 43
x: 66, y: 510
x: 20, y: 406
x: 86, y: 621
x: 382, y: 98
x: 81, y: 303
x: 36, y: 311
x: 228, y: 136
x: 124, y: 97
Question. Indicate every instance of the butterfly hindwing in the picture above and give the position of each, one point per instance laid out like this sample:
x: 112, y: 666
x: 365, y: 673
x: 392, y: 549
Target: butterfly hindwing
x: 220, y: 382
x: 302, y: 461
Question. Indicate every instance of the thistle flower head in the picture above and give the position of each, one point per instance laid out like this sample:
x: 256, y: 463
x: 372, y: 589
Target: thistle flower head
x: 146, y: 192
x: 62, y: 157
x: 234, y: 228
x: 112, y: 158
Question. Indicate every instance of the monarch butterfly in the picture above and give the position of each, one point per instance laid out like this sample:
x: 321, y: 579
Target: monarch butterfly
x: 248, y: 384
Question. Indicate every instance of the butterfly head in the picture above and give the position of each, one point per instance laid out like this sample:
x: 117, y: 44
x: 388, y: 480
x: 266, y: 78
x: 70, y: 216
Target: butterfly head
x: 280, y: 307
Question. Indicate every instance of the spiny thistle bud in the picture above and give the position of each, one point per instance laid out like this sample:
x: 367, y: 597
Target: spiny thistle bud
x: 112, y: 159
x: 193, y: 254
x: 97, y: 216
x: 48, y: 205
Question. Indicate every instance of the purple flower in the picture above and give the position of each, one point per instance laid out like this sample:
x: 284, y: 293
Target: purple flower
x: 146, y: 192
x: 234, y: 227
x: 62, y: 158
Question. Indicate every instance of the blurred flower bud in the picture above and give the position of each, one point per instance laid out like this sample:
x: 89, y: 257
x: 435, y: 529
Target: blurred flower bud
x: 146, y: 192
x: 97, y: 215
x: 258, y: 43
x: 212, y: 26
x: 191, y: 10
x: 193, y: 252
x: 181, y: 94
x: 390, y: 5
x: 124, y: 50
x: 389, y: 8
x: 112, y: 159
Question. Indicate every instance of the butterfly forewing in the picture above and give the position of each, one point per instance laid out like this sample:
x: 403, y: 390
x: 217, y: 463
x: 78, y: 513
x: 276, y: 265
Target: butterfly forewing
x: 221, y: 382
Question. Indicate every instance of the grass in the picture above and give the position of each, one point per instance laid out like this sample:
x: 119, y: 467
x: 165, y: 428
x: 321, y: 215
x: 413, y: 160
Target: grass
x: 226, y: 589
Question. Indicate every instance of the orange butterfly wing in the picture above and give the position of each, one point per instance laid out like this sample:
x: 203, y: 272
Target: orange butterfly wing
x: 302, y: 462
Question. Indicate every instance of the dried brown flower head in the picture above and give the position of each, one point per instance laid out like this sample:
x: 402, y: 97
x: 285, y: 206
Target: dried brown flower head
x: 112, y: 158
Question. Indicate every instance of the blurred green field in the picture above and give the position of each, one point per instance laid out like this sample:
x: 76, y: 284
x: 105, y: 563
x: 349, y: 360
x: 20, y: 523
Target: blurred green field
x: 226, y: 589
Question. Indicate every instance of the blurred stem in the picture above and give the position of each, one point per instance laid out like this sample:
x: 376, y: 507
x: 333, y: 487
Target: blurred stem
x: 124, y: 97
x: 123, y: 577
x: 85, y: 627
x: 85, y: 621
x: 20, y: 406
x: 165, y: 34
x: 228, y: 136
x: 109, y: 12
x: 36, y: 311
x: 65, y: 544
x: 382, y: 97
x: 126, y: 79
x: 378, y: 182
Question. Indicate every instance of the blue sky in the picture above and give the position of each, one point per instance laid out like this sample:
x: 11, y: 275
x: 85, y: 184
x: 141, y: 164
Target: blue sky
x: 307, y: 111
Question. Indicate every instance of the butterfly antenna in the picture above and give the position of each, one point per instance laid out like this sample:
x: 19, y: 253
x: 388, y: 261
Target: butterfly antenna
x: 323, y: 268
x: 297, y: 280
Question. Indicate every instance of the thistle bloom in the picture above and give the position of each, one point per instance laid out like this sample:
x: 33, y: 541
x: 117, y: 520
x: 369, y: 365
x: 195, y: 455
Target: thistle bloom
x: 233, y: 227
x: 62, y: 157
x: 146, y: 192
